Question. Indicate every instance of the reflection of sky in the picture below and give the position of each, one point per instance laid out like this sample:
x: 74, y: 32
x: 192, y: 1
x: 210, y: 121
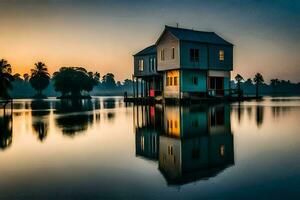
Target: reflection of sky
x: 103, y: 35
x: 101, y: 161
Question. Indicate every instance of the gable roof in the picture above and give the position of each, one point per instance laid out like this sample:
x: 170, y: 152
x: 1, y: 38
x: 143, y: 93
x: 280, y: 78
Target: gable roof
x: 195, y: 36
x: 148, y: 50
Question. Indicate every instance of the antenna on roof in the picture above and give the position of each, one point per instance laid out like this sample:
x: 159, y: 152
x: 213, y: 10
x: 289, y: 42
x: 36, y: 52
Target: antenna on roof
x: 177, y: 25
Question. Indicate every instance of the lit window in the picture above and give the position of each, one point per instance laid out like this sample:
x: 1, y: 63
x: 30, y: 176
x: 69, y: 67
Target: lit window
x: 176, y: 124
x: 194, y: 55
x: 173, y: 53
x: 221, y: 55
x: 141, y: 65
x: 142, y: 143
x: 222, y: 150
x: 170, y: 150
x: 195, y: 80
x: 162, y: 54
x: 175, y: 80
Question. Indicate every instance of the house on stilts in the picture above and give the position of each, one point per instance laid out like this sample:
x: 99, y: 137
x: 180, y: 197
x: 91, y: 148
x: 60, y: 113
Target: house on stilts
x: 184, y: 64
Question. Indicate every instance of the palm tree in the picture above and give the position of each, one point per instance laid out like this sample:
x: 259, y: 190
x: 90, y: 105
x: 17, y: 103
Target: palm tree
x: 258, y: 79
x: 26, y: 77
x: 274, y: 84
x: 40, y: 77
x: 6, y: 78
x: 239, y: 79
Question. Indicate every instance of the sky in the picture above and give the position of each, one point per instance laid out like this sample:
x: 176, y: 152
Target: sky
x: 102, y: 35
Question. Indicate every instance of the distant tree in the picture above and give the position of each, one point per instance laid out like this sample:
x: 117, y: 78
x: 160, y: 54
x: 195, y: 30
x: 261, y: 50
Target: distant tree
x: 74, y: 80
x: 108, y: 81
x: 274, y: 84
x: 17, y: 77
x: 258, y: 79
x: 26, y: 77
x: 6, y: 78
x: 239, y: 79
x: 119, y: 85
x: 40, y: 77
x: 97, y: 76
x: 248, y: 81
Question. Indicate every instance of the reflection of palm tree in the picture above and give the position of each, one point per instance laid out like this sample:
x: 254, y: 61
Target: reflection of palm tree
x: 40, y: 116
x: 39, y: 77
x: 259, y: 115
x: 5, y: 78
x: 239, y: 79
x: 258, y: 79
x: 41, y: 129
x: 6, y: 132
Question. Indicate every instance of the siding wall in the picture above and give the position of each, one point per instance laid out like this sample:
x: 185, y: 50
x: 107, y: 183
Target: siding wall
x: 166, y: 43
x: 215, y: 63
x: 187, y: 81
x: 185, y: 61
x: 147, y: 67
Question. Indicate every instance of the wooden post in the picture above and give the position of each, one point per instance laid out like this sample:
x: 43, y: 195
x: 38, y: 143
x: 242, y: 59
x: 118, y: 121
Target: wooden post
x: 137, y: 87
x: 142, y: 88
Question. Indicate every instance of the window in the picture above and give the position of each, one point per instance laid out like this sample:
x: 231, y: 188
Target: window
x: 150, y: 64
x: 170, y: 150
x: 175, y: 80
x: 162, y: 54
x: 221, y: 55
x: 171, y: 80
x: 195, y: 80
x: 153, y: 64
x: 167, y: 81
x: 195, y: 124
x: 141, y: 65
x: 195, y: 153
x: 194, y: 55
x: 173, y: 53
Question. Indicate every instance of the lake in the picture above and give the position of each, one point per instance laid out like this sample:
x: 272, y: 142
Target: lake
x: 104, y: 149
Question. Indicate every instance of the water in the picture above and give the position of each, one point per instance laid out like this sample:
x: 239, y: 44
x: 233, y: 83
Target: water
x: 103, y: 149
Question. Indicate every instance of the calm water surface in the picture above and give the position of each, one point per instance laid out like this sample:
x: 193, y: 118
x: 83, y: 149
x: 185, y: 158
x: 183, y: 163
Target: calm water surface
x: 103, y: 149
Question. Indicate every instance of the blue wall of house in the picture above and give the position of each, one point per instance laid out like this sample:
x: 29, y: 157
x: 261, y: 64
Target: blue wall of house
x: 185, y: 61
x: 186, y: 80
x: 208, y: 56
x: 147, y: 68
x: 214, y: 61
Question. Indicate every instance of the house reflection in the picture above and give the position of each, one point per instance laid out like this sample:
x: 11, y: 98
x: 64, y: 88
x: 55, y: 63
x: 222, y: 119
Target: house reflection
x: 147, y: 127
x: 190, y: 143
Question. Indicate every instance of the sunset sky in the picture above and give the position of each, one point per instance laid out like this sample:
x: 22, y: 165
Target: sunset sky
x: 102, y: 35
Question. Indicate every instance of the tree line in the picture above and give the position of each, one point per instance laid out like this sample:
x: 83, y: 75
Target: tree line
x: 257, y: 86
x: 69, y: 82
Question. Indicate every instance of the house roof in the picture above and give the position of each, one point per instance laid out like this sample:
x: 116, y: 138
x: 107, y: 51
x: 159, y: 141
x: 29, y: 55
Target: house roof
x: 148, y: 50
x: 195, y: 36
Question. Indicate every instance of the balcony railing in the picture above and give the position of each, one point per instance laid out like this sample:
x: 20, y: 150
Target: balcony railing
x: 223, y: 92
